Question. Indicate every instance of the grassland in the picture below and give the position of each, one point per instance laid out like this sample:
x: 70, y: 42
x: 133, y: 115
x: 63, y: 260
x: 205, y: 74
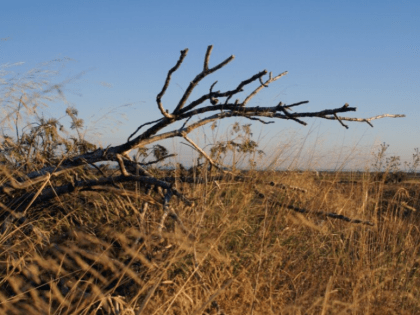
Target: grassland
x: 238, y: 250
x: 79, y: 237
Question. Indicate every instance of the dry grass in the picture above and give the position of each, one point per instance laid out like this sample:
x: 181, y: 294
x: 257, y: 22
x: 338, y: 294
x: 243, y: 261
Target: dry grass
x: 91, y: 253
x: 238, y: 249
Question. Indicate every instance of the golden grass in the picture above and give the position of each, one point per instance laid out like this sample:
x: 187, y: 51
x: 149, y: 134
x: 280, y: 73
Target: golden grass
x: 90, y: 254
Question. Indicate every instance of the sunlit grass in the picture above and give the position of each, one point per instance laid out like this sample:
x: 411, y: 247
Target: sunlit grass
x: 89, y: 253
x: 237, y: 249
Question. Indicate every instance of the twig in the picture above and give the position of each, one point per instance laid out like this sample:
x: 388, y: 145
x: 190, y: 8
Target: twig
x: 259, y: 120
x: 159, y: 160
x: 121, y: 164
x: 203, y: 153
x: 262, y: 83
x: 201, y: 76
x: 149, y: 123
x: 139, y: 167
x: 367, y: 120
x: 344, y: 125
x: 290, y: 116
x: 50, y: 193
x: 207, y: 58
x: 185, y: 123
x: 296, y: 104
x: 241, y: 85
x: 227, y: 94
x: 255, y: 92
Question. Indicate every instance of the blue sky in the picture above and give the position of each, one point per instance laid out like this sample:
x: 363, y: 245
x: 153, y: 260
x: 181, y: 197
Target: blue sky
x: 365, y: 53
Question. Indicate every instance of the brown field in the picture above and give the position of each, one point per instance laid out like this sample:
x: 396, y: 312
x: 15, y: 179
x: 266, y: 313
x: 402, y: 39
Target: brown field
x: 80, y: 237
x: 239, y: 249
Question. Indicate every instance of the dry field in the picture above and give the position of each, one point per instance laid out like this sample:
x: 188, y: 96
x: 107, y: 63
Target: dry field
x: 77, y: 237
x: 239, y: 249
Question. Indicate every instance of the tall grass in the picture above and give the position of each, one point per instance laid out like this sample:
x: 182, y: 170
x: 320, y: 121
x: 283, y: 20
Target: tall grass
x: 237, y: 250
x: 90, y: 253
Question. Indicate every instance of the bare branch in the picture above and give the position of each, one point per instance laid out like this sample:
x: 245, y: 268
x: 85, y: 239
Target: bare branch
x: 324, y: 113
x: 234, y: 111
x: 255, y: 92
x: 296, y: 104
x: 262, y: 83
x: 141, y: 126
x: 246, y: 82
x: 367, y: 120
x: 212, y: 86
x: 199, y: 77
x: 344, y: 125
x: 227, y: 94
x: 186, y: 122
x: 168, y: 79
x: 121, y: 164
x: 81, y: 185
x: 213, y: 100
x: 259, y: 120
x: 159, y: 160
x: 207, y: 58
x: 368, y: 123
x: 137, y: 168
x: 202, y: 152
x: 289, y: 116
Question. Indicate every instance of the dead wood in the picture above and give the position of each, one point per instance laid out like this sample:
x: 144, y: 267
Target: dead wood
x: 216, y: 104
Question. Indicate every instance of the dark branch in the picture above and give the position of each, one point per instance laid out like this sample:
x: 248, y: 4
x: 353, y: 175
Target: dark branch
x: 141, y: 126
x: 168, y: 79
x: 50, y: 193
x: 207, y: 58
x: 199, y: 77
x: 227, y: 94
x: 296, y: 104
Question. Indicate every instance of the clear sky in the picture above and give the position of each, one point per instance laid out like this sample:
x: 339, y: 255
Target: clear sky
x: 365, y: 53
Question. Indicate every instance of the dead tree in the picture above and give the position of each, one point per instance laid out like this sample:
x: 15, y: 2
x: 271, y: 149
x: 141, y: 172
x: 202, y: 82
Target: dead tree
x: 216, y: 104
